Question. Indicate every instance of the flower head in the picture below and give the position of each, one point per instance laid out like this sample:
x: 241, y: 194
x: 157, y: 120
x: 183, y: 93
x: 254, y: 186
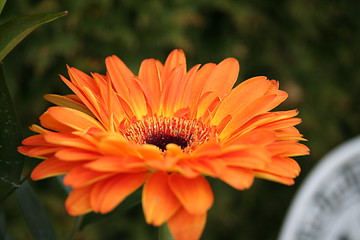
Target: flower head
x: 166, y: 129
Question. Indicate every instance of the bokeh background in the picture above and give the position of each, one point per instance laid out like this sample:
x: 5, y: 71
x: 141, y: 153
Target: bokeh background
x: 310, y: 46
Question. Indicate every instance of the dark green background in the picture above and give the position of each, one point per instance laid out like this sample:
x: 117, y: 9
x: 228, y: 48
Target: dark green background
x: 311, y: 47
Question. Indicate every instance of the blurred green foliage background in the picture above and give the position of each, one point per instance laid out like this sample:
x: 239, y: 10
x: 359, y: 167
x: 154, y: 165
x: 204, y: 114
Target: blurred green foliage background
x: 311, y: 47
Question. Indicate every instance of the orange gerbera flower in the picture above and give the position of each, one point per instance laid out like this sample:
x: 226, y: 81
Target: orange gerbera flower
x: 167, y: 129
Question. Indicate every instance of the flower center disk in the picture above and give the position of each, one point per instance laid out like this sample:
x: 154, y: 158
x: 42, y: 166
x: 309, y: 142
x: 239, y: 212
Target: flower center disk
x: 161, y: 131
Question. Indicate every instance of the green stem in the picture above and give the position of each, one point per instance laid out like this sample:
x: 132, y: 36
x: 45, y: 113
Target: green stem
x: 164, y: 233
x: 77, y: 224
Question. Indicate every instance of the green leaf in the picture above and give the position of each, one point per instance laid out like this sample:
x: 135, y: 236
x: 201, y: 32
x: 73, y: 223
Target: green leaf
x: 2, y: 3
x: 34, y: 213
x: 131, y: 201
x: 16, y: 29
x: 11, y: 162
x: 164, y: 233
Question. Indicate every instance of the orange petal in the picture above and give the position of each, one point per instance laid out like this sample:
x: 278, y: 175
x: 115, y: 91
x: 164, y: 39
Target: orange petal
x: 80, y: 79
x: 175, y: 59
x: 78, y: 201
x: 263, y: 119
x: 81, y: 95
x: 283, y: 166
x: 73, y: 119
x: 150, y: 152
x: 185, y: 226
x: 257, y: 137
x: 69, y: 140
x: 259, y: 106
x: 99, y: 106
x: 108, y: 101
x: 65, y: 101
x: 44, y: 152
x: 36, y: 140
x: 195, y: 194
x: 289, y: 133
x: 138, y: 98
x: 51, y: 167
x: 74, y: 154
x: 119, y: 74
x: 109, y: 193
x: 185, y: 92
x: 274, y: 177
x: 289, y: 122
x: 206, y: 166
x: 247, y: 157
x: 116, y: 145
x: 187, y: 170
x: 81, y: 176
x: 167, y: 161
x: 171, y: 90
x: 237, y: 177
x: 207, y: 149
x: 207, y: 104
x: 38, y: 129
x: 38, y: 152
x: 251, y: 98
x: 149, y: 76
x: 49, y: 122
x: 125, y: 105
x: 241, y: 96
x: 223, y: 78
x: 92, y: 89
x: 158, y: 201
x: 198, y: 83
x: 248, y: 161
x: 289, y: 148
x: 116, y: 164
x: 126, y: 85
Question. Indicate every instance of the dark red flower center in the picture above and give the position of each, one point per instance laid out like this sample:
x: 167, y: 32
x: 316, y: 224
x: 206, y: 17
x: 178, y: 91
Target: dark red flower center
x: 161, y: 131
x: 161, y: 140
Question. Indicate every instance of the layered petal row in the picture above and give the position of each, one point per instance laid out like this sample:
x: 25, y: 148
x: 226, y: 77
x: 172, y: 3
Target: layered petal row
x: 166, y: 129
